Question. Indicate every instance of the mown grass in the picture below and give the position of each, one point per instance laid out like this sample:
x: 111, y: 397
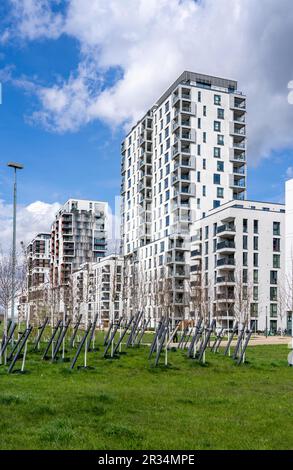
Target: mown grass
x: 126, y: 403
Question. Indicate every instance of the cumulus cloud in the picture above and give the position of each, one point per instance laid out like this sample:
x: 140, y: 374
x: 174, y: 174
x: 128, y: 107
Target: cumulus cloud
x: 31, y: 219
x: 150, y: 42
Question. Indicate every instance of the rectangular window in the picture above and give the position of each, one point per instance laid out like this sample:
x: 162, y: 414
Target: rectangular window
x: 276, y: 228
x: 276, y: 244
x: 245, y: 259
x: 255, y: 293
x: 245, y: 274
x: 204, y: 110
x: 199, y: 123
x: 245, y: 242
x: 255, y: 259
x: 217, y: 178
x: 274, y: 277
x: 245, y: 223
x: 276, y: 261
x: 255, y: 276
x: 220, y: 139
x: 217, y: 152
x: 255, y: 226
x: 255, y: 243
x: 220, y: 113
x: 199, y: 96
x: 273, y: 310
x: 216, y: 204
x: 273, y: 294
x: 220, y: 193
x: 204, y: 137
x: 220, y: 166
x: 217, y: 126
x: 217, y: 100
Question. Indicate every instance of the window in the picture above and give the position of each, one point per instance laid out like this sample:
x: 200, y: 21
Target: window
x: 274, y: 277
x: 207, y: 232
x: 199, y: 123
x: 273, y: 294
x: 166, y: 107
x: 220, y: 113
x: 167, y: 220
x: 245, y: 222
x: 254, y: 310
x: 220, y: 192
x: 206, y: 248
x: 204, y: 191
x: 244, y: 275
x: 204, y: 110
x: 204, y: 137
x: 255, y: 293
x: 255, y: 276
x: 198, y: 150
x: 255, y: 226
x: 245, y: 259
x: 217, y: 100
x: 198, y: 176
x: 245, y: 242
x: 217, y: 178
x: 217, y: 152
x: 276, y: 244
x: 255, y: 259
x: 216, y: 204
x: 276, y: 228
x: 204, y: 164
x: 255, y: 243
x: 276, y: 261
x: 220, y: 139
x: 199, y: 96
x: 206, y: 263
x: 217, y: 126
x: 273, y: 310
x: 220, y: 166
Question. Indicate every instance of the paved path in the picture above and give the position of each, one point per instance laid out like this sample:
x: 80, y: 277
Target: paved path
x: 257, y: 341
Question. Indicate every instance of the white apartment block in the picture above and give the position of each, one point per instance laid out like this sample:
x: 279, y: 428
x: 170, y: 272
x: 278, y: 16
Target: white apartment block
x: 98, y: 289
x: 38, y: 273
x: 186, y: 156
x: 78, y: 236
x: 238, y: 264
x: 289, y: 251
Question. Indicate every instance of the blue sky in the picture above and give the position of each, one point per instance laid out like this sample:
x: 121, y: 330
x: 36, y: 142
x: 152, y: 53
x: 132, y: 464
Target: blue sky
x: 73, y: 83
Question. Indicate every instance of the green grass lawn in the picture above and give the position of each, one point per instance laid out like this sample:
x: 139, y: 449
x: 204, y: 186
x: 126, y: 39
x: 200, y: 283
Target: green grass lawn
x: 128, y: 404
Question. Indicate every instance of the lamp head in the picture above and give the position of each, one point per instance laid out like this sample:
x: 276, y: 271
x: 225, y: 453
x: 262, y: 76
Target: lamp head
x: 16, y: 166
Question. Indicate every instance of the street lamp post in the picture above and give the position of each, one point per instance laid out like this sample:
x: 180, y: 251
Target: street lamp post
x: 15, y: 166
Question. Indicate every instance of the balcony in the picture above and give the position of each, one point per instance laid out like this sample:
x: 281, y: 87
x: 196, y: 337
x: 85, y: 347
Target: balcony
x: 196, y: 254
x: 225, y: 280
x: 237, y: 157
x: 238, y: 185
x: 226, y: 263
x: 184, y: 134
x: 185, y: 189
x: 239, y: 170
x: 239, y: 145
x: 185, y: 162
x: 226, y: 229
x: 180, y: 148
x: 180, y: 121
x: 181, y: 93
x: 226, y: 246
x: 185, y: 107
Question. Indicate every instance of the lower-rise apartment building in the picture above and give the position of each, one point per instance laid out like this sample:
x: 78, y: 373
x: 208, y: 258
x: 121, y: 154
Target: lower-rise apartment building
x: 289, y: 252
x: 238, y: 264
x: 97, y: 288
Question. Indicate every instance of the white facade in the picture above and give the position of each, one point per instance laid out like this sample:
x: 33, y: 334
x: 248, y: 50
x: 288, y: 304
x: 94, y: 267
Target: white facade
x: 78, y: 236
x: 238, y: 261
x: 184, y: 157
x: 38, y: 275
x: 97, y: 289
x: 289, y: 250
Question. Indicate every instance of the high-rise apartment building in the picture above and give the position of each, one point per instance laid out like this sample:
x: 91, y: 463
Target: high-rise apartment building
x: 186, y: 156
x: 78, y: 236
x: 238, y: 264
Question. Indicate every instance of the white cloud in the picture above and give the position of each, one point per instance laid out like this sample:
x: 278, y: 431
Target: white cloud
x: 289, y: 172
x: 31, y: 219
x: 151, y: 42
